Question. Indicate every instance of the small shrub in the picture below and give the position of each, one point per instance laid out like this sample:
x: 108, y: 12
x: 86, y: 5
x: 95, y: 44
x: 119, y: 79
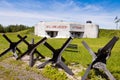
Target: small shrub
x: 97, y: 75
x: 54, y: 74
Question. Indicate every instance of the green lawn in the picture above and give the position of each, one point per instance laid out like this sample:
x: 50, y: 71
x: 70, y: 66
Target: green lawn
x: 82, y: 57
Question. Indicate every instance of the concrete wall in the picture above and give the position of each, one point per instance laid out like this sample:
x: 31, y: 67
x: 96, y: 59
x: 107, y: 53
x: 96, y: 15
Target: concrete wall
x: 91, y: 30
x: 66, y: 29
x: 77, y: 27
x: 40, y: 29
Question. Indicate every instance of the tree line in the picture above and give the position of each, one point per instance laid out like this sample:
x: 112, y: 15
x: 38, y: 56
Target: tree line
x: 13, y: 28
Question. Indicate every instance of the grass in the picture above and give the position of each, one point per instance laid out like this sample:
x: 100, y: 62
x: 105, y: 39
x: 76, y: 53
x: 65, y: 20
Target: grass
x: 82, y: 57
x: 57, y: 75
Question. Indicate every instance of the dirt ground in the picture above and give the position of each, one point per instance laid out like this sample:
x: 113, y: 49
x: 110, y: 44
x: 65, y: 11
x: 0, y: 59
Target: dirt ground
x: 18, y: 73
x: 24, y: 74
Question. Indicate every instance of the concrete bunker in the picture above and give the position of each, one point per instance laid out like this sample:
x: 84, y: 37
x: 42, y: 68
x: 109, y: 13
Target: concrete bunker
x: 76, y: 34
x: 67, y: 29
x: 52, y: 33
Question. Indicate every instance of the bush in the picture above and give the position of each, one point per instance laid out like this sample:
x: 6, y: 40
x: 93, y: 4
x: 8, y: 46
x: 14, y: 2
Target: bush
x: 54, y: 74
x: 13, y: 28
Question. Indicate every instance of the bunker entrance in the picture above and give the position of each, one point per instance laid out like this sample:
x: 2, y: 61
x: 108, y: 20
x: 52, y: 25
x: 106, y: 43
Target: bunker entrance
x: 52, y: 33
x: 76, y: 34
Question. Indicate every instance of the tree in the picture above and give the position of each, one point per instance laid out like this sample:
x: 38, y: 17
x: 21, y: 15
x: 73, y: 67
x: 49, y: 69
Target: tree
x: 1, y: 29
x: 13, y: 28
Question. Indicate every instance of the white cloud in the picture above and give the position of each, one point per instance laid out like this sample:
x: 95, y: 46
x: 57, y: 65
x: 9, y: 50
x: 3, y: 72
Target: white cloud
x: 5, y: 3
x: 23, y: 15
x: 92, y: 7
x: 67, y: 11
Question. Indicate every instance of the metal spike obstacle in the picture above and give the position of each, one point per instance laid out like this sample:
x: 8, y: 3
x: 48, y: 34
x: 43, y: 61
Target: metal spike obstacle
x: 32, y: 50
x: 100, y: 58
x: 13, y: 46
x: 56, y: 58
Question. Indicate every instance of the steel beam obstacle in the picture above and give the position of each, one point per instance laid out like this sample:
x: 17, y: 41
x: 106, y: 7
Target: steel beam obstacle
x: 99, y: 59
x: 32, y: 50
x: 56, y: 58
x: 13, y: 46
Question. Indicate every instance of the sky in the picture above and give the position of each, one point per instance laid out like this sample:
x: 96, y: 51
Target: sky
x: 30, y: 12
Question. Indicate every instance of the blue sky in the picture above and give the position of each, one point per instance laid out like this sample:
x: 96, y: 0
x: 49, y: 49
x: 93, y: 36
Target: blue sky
x: 30, y: 12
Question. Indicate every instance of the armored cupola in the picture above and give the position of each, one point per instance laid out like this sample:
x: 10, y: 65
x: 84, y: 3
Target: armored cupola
x: 88, y: 21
